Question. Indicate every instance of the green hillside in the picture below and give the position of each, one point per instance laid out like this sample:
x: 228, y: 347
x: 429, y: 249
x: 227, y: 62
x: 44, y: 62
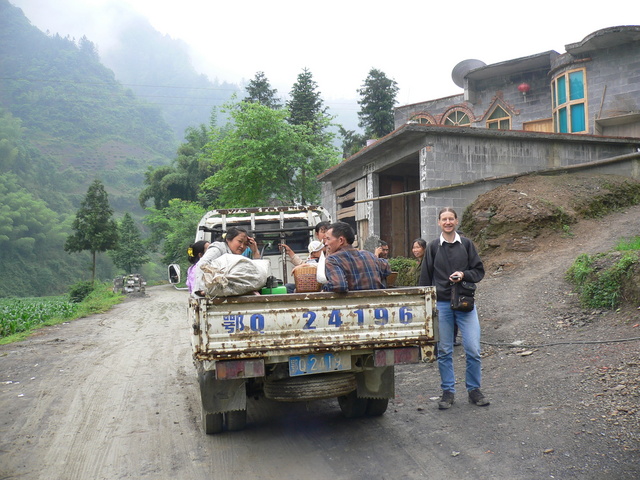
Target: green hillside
x: 64, y: 121
x: 75, y: 112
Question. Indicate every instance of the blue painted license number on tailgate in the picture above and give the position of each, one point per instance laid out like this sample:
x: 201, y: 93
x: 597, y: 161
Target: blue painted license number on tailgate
x: 320, y: 363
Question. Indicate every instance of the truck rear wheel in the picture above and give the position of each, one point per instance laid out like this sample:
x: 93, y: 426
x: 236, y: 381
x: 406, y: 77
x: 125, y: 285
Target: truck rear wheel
x: 236, y: 420
x: 352, y: 406
x: 211, y: 422
x: 377, y: 406
x: 310, y: 387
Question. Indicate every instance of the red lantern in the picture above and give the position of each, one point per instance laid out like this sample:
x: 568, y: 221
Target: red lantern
x: 524, y: 88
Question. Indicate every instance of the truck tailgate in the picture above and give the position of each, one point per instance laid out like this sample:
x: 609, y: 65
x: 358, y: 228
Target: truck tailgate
x: 252, y: 326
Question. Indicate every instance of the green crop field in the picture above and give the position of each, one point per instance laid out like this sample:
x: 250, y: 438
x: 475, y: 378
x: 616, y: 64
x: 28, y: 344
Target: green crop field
x: 21, y: 314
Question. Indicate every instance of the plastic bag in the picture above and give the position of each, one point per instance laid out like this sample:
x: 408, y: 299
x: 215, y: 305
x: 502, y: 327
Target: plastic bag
x: 321, y: 276
x: 230, y: 275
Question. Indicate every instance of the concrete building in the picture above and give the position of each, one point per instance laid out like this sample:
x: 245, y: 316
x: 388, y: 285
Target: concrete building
x: 545, y: 112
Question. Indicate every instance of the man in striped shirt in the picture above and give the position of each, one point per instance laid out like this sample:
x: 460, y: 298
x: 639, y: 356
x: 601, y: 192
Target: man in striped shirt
x: 348, y: 268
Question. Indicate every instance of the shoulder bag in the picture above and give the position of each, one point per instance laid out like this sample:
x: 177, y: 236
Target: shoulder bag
x: 462, y: 292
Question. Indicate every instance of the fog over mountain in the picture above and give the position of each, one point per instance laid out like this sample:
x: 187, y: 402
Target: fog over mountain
x: 158, y: 67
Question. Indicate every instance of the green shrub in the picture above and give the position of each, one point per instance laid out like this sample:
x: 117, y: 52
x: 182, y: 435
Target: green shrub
x: 79, y: 291
x: 599, y: 279
x: 406, y: 268
x: 99, y: 300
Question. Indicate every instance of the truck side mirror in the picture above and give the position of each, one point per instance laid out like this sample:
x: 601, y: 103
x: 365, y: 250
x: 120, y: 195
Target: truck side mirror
x: 174, y: 273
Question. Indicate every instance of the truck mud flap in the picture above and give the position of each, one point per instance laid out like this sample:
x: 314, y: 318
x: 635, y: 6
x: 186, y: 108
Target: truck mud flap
x: 221, y: 395
x: 377, y: 382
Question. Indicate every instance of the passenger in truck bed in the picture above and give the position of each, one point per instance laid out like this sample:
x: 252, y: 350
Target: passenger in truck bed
x: 194, y: 254
x: 346, y: 267
x: 320, y: 229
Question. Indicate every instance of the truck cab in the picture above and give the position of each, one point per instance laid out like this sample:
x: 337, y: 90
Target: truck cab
x: 270, y: 226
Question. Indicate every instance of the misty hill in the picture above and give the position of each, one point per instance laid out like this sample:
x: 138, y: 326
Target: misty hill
x: 64, y: 121
x: 159, y: 70
x: 75, y: 112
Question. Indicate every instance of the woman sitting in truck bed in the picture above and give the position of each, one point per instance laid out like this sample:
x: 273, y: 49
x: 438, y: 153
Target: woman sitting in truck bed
x: 235, y: 241
x: 195, y: 253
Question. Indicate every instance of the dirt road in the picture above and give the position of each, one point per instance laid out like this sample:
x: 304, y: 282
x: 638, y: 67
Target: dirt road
x: 115, y: 396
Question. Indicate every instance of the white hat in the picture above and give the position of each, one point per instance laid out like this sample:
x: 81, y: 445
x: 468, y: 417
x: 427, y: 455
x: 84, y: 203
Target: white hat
x: 315, y: 246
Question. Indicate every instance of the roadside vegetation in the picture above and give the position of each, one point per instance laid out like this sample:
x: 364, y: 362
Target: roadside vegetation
x: 608, y: 279
x: 19, y: 317
x: 407, y: 271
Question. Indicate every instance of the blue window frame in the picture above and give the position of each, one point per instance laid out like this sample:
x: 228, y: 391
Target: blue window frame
x: 569, y: 102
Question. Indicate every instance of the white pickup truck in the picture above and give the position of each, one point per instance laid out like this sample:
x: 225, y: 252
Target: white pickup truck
x: 307, y: 346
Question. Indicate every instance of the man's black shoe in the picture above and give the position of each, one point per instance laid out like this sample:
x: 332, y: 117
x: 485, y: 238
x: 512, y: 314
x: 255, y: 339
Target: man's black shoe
x: 446, y: 401
x: 476, y: 396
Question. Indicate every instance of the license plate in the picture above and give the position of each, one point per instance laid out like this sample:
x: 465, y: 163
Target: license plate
x: 319, y: 363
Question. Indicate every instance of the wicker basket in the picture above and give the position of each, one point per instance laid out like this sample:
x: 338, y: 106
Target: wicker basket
x: 305, y: 278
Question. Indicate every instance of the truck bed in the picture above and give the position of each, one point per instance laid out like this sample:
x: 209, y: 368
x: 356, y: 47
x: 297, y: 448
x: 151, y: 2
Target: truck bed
x: 251, y: 326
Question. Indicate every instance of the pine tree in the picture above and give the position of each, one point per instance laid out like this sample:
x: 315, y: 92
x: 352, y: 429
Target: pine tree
x: 305, y: 105
x: 259, y: 91
x: 95, y: 229
x: 130, y: 253
x: 378, y: 97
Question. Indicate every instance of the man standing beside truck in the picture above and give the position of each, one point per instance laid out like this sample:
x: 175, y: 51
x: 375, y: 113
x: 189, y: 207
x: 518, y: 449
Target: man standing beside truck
x: 350, y: 269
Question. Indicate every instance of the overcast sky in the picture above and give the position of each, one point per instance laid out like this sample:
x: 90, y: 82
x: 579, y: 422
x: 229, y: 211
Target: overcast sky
x: 417, y: 43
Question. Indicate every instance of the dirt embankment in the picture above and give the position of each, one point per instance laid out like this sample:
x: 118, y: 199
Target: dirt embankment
x: 530, y: 232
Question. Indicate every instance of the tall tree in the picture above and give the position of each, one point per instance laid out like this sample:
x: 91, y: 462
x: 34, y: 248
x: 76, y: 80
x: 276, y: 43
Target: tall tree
x: 377, y: 99
x: 305, y: 106
x: 183, y: 177
x: 259, y: 91
x: 264, y: 160
x: 131, y: 253
x: 352, y: 142
x: 95, y: 228
x: 173, y: 228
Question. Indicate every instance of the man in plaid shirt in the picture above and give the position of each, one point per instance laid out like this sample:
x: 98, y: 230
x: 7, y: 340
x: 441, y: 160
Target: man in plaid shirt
x: 348, y: 268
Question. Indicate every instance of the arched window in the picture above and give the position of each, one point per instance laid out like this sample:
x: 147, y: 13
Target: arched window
x: 499, y: 119
x: 569, y: 102
x: 457, y: 118
x: 422, y: 119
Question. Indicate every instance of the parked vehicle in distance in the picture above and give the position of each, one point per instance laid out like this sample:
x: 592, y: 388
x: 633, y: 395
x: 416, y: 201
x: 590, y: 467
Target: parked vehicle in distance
x: 132, y: 283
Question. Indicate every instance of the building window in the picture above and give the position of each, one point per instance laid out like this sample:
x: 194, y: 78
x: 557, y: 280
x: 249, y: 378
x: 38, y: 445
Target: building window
x: 457, y: 118
x: 499, y: 119
x: 569, y: 102
x: 421, y: 120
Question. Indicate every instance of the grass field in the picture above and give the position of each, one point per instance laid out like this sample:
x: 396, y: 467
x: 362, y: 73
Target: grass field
x: 18, y: 316
x: 22, y: 314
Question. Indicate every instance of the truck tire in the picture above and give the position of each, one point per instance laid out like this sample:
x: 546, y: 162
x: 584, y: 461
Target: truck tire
x: 377, y: 406
x: 352, y: 406
x: 235, y: 420
x: 310, y: 387
x: 211, y: 422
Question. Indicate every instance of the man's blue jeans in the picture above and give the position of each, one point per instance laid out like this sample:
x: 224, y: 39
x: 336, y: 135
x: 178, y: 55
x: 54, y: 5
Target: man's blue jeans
x: 469, y: 328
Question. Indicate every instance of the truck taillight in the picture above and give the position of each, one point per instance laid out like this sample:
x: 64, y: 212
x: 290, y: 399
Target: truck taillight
x: 395, y: 356
x: 228, y: 369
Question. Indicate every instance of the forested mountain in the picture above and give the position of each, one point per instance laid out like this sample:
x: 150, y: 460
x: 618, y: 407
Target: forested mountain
x: 64, y: 121
x: 75, y: 112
